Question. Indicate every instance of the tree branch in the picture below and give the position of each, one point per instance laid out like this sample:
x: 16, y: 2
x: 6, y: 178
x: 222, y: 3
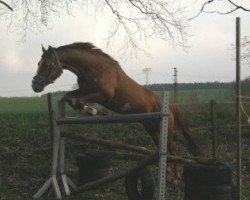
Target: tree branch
x: 202, y: 9
x: 135, y: 21
x: 7, y: 5
x: 235, y: 8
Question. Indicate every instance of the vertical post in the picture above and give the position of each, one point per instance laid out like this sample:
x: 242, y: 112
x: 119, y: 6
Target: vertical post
x: 175, y: 85
x: 50, y: 111
x: 238, y: 110
x: 61, y: 114
x: 66, y: 181
x: 214, y: 136
x: 55, y: 155
x: 163, y: 148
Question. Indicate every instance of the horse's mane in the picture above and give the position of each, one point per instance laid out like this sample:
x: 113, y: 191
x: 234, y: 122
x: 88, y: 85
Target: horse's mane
x: 85, y: 46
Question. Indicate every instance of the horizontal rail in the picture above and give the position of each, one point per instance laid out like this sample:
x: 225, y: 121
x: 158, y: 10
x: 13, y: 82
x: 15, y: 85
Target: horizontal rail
x: 107, y: 143
x: 129, y: 118
x: 132, y: 148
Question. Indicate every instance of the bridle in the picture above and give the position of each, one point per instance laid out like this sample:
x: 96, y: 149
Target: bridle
x: 55, y: 69
x: 41, y: 80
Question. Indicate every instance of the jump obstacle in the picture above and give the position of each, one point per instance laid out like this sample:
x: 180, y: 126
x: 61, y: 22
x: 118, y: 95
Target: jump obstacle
x: 58, y: 154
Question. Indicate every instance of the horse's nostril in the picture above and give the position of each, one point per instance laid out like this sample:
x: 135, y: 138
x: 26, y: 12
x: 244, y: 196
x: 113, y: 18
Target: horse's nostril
x: 37, y: 87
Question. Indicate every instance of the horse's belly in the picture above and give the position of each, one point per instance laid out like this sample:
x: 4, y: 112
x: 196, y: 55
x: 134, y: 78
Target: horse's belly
x: 120, y: 107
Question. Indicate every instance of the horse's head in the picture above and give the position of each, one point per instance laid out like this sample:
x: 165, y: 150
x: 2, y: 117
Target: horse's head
x: 49, y: 69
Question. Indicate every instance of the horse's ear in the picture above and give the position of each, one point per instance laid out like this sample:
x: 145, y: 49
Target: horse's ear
x: 44, y: 50
x: 50, y: 48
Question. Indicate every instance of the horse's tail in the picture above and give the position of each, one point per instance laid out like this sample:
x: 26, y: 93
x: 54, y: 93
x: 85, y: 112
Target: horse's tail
x: 193, y: 147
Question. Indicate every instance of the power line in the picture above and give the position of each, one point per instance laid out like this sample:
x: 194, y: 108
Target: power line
x: 163, y: 74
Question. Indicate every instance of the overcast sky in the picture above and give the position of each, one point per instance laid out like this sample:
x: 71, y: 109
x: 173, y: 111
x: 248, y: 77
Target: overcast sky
x: 208, y: 58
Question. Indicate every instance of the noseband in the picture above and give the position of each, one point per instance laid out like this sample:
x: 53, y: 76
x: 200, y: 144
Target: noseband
x: 41, y: 80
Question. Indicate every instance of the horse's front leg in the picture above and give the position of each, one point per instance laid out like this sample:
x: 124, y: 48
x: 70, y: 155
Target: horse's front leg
x: 90, y: 98
x: 70, y: 97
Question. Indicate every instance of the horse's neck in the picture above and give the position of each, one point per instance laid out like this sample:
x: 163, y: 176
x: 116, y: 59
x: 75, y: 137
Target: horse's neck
x: 68, y: 61
x: 73, y: 69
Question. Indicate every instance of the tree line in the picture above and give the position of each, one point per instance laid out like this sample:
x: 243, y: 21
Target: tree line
x: 186, y: 86
x: 192, y: 86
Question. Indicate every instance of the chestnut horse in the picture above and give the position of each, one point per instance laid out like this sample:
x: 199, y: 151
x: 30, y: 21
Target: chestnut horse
x: 102, y: 80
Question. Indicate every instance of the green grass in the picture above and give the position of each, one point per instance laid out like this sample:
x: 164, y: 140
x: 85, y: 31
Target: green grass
x: 39, y: 104
x: 204, y: 96
x: 22, y: 104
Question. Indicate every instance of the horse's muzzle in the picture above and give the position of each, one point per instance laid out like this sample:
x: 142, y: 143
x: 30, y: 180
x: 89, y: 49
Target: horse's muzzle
x: 37, y: 86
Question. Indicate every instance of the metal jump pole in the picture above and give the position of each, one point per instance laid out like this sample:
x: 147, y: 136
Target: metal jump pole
x: 238, y: 109
x: 163, y: 148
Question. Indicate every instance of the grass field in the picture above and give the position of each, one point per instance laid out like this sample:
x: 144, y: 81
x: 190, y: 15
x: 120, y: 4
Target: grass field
x: 39, y: 104
x: 25, y: 158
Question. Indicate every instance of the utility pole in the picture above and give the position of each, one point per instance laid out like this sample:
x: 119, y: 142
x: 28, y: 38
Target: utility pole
x: 175, y: 85
x: 146, y: 72
x: 238, y: 111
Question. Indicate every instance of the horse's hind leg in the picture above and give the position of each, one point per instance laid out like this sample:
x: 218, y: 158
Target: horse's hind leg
x: 172, y: 148
x: 153, y: 132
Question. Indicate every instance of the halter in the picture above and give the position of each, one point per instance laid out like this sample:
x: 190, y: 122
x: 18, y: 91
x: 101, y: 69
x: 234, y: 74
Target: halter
x: 55, y: 69
x: 41, y: 80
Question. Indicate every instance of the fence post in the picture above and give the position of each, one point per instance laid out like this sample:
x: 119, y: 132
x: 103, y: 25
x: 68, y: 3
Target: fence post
x: 213, y: 131
x: 175, y: 86
x: 50, y: 112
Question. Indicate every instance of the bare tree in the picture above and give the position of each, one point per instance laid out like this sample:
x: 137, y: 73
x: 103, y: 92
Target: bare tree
x: 136, y: 20
x: 6, y: 5
x: 246, y: 49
